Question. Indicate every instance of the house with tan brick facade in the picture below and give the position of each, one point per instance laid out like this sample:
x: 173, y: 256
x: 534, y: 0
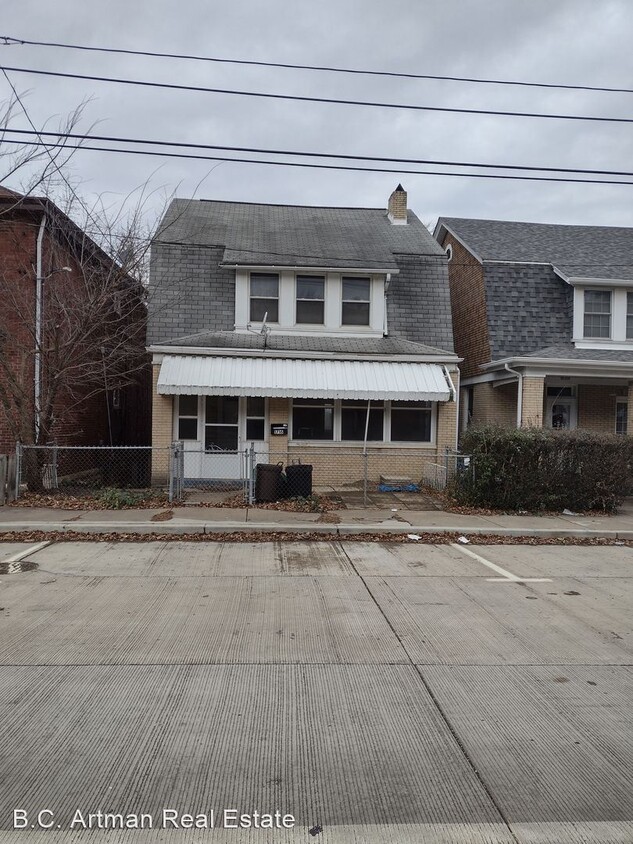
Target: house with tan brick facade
x: 306, y: 333
x: 543, y: 319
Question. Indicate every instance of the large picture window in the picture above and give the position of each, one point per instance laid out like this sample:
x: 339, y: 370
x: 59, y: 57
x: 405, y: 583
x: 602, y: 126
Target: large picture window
x: 310, y: 299
x: 354, y: 420
x: 356, y: 297
x: 312, y: 419
x: 264, y: 297
x: 221, y: 423
x: 411, y: 421
x: 597, y: 322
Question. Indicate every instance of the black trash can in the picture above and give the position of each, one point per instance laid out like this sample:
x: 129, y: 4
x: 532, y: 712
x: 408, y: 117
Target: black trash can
x: 299, y: 480
x: 268, y: 481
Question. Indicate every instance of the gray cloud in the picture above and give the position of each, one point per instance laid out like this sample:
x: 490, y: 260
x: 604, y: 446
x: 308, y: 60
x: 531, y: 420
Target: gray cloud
x: 570, y: 41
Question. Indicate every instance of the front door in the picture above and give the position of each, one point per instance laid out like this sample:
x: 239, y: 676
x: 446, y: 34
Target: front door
x: 561, y: 412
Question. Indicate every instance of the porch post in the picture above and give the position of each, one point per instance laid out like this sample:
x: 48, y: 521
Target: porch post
x: 533, y: 398
x: 161, y: 432
x: 629, y: 411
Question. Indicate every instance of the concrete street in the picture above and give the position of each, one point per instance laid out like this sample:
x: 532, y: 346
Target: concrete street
x: 377, y: 693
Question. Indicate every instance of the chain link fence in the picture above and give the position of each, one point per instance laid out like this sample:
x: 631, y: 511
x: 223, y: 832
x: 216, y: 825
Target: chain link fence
x: 81, y: 470
x: 247, y: 476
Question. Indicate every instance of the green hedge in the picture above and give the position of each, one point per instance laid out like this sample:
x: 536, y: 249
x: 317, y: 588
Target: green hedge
x: 534, y: 469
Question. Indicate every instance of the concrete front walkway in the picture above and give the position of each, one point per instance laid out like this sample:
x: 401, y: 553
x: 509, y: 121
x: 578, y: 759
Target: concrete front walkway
x: 183, y: 520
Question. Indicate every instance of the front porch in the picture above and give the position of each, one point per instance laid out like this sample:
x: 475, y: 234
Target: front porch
x: 552, y: 400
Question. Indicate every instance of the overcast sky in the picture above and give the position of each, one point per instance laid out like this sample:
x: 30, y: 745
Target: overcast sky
x: 560, y: 41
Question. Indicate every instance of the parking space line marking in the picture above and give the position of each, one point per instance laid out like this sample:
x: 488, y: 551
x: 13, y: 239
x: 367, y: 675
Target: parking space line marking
x: 21, y: 555
x: 506, y: 576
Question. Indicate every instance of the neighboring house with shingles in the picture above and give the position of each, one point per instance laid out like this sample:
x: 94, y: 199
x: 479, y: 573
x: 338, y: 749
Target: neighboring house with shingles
x: 543, y: 319
x: 266, y: 316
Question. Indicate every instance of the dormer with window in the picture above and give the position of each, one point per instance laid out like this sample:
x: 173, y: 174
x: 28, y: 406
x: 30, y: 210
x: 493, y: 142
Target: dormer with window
x: 603, y: 314
x: 311, y: 300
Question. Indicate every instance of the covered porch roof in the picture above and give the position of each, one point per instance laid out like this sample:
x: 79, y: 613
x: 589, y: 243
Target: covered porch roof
x: 304, y: 378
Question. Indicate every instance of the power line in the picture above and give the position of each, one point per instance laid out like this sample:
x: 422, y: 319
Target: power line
x: 322, y: 100
x: 346, y: 167
x: 10, y: 41
x: 309, y: 154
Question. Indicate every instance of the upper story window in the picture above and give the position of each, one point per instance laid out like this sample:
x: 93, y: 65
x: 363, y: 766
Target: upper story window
x: 310, y: 300
x: 264, y: 297
x: 597, y: 314
x: 629, y: 315
x: 356, y: 298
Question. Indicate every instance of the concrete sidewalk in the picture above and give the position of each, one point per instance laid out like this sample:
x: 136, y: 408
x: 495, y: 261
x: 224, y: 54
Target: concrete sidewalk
x: 189, y: 520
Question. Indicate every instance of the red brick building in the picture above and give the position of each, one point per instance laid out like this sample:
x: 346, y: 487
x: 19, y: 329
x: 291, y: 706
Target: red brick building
x: 72, y: 334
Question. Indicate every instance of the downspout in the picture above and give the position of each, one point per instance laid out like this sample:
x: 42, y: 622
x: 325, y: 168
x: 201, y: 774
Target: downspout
x: 385, y: 327
x: 519, y: 392
x: 37, y: 363
x: 454, y: 396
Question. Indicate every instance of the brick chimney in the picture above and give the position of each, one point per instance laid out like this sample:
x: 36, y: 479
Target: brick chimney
x: 397, y: 207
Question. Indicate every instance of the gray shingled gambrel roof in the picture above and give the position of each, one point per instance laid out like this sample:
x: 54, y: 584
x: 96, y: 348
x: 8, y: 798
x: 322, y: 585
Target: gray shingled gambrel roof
x: 299, y: 343
x: 296, y: 235
x: 577, y: 251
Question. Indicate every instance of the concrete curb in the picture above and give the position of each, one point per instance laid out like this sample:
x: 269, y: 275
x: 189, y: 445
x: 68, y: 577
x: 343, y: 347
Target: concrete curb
x: 336, y: 530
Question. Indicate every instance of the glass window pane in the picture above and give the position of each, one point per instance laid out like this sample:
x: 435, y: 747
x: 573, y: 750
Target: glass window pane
x: 621, y: 409
x: 261, y: 307
x: 597, y: 325
x: 314, y: 422
x: 254, y: 429
x: 264, y: 284
x: 310, y: 313
x: 409, y: 425
x: 255, y: 406
x: 188, y: 405
x: 629, y: 327
x: 187, y: 429
x: 222, y: 409
x: 353, y: 420
x: 220, y: 437
x: 309, y: 287
x: 598, y: 301
x: 356, y: 289
x: 355, y: 313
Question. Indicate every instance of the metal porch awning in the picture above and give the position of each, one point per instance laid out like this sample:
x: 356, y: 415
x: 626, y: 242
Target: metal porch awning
x: 299, y: 378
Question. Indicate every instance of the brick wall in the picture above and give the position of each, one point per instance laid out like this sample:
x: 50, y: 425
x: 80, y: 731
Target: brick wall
x: 495, y: 405
x: 533, y: 402
x: 596, y: 407
x: 468, y: 307
x: 162, y: 430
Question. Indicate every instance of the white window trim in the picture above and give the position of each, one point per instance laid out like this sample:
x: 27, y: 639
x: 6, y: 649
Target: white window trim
x: 618, y: 338
x: 311, y: 325
x: 333, y: 303
x: 242, y: 441
x: 337, y: 428
x: 272, y: 298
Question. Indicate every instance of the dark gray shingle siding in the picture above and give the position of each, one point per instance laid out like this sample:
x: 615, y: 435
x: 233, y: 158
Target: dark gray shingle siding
x: 419, y: 302
x: 529, y: 307
x: 189, y: 292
